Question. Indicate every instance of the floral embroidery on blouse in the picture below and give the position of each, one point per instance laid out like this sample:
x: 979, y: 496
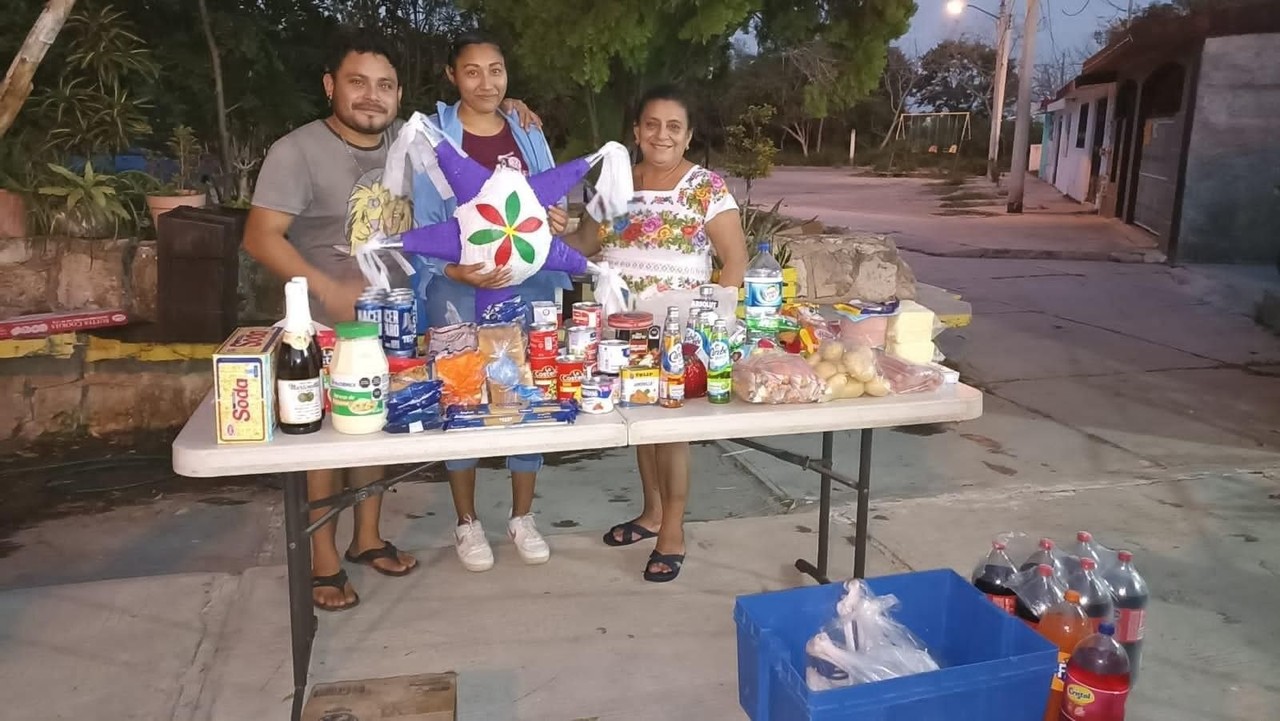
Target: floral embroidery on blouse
x: 669, y: 221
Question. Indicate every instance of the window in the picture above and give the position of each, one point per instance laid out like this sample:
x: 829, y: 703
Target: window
x: 1082, y: 125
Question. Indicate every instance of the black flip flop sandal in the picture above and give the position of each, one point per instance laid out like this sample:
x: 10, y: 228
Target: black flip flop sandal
x: 389, y: 552
x: 632, y: 532
x: 339, y: 581
x: 671, y: 560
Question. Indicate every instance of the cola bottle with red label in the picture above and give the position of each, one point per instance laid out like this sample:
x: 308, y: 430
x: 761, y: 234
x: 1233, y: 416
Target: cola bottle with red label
x: 1095, y: 593
x: 992, y: 577
x: 1037, y: 593
x: 1130, y: 593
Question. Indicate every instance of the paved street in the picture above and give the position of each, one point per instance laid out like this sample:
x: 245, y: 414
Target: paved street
x: 1133, y: 399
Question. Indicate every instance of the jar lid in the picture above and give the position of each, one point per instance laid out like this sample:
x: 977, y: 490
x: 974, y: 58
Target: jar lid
x: 353, y: 329
x: 631, y: 321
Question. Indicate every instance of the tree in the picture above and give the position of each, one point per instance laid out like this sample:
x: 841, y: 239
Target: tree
x: 897, y: 83
x: 748, y: 147
x: 17, y: 83
x: 956, y: 76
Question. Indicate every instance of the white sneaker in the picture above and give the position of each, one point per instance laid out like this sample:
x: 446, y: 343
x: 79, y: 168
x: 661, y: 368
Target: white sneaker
x: 529, y: 543
x: 473, y: 548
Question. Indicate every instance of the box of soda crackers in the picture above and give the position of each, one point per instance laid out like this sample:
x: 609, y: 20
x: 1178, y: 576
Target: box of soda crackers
x: 244, y: 385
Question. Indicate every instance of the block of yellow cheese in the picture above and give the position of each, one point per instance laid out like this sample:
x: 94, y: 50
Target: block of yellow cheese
x: 920, y: 353
x: 913, y: 324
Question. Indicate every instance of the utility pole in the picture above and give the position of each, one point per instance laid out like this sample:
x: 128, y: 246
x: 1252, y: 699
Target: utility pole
x: 1004, y: 28
x: 1022, y: 129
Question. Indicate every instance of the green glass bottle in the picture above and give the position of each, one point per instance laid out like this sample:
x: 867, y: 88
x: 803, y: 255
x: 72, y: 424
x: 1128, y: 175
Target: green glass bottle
x: 719, y: 365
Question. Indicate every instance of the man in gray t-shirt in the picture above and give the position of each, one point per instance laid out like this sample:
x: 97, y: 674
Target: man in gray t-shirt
x: 298, y: 216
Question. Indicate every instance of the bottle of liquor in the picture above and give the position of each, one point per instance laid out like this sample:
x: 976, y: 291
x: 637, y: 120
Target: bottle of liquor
x: 298, y: 389
x: 719, y: 365
x: 671, y: 364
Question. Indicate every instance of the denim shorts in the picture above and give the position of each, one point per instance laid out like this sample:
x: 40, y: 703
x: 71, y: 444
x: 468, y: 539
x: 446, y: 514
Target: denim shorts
x: 516, y: 464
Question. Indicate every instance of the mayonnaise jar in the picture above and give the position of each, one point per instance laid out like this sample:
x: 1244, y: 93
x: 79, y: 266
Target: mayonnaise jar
x: 358, y: 379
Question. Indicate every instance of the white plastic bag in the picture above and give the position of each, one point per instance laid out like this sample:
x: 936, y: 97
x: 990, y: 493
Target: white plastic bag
x: 864, y: 643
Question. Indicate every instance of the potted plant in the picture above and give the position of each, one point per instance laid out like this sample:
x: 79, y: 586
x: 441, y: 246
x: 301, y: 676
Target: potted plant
x: 186, y: 150
x: 90, y: 206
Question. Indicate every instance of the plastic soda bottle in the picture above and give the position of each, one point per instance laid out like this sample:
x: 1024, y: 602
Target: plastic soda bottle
x: 671, y: 371
x: 1066, y: 625
x: 1040, y: 594
x: 1097, y: 681
x: 1086, y: 548
x: 719, y: 366
x: 1095, y: 594
x: 992, y: 577
x: 1044, y: 554
x: 1130, y: 593
x: 763, y: 283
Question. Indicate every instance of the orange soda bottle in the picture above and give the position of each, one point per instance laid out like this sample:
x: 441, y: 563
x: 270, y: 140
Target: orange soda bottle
x: 1065, y: 624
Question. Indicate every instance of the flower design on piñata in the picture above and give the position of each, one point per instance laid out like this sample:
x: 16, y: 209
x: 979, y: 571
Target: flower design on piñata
x: 508, y: 229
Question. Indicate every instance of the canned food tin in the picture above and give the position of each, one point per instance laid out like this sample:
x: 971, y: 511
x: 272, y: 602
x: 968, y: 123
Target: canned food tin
x: 400, y: 323
x: 597, y: 395
x: 613, y: 356
x: 570, y: 372
x: 545, y: 374
x: 545, y: 311
x: 582, y: 341
x: 588, y: 313
x: 544, y: 341
x: 633, y: 328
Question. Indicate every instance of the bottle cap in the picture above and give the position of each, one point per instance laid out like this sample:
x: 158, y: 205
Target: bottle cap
x: 1046, y: 544
x: 1088, y: 564
x: 1124, y: 556
x: 1072, y: 597
x: 998, y: 545
x: 1045, y: 570
x: 352, y: 329
x: 1107, y: 629
x: 1084, y: 536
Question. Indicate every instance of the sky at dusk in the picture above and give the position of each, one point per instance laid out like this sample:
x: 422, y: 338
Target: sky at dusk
x: 1065, y: 25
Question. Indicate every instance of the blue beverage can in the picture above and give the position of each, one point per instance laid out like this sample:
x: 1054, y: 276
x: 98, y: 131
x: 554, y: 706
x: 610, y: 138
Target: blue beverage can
x: 369, y: 309
x: 400, y: 324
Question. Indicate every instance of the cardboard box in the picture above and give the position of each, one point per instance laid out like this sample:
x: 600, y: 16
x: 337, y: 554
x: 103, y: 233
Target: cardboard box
x: 46, y: 324
x: 244, y: 385
x: 424, y: 697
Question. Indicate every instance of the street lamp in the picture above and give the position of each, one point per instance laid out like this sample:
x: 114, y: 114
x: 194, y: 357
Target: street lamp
x: 1004, y: 25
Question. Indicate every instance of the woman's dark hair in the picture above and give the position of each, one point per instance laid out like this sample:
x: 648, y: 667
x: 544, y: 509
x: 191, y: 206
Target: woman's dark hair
x: 664, y: 92
x: 358, y: 40
x: 471, y: 37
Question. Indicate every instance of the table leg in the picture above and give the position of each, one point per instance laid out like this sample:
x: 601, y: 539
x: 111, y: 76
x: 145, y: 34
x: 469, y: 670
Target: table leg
x: 864, y: 505
x: 302, y: 616
x: 819, y: 572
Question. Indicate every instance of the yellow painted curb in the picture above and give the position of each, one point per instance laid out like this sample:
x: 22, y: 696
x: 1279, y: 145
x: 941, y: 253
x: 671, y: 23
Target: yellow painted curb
x: 101, y: 349
x: 55, y: 346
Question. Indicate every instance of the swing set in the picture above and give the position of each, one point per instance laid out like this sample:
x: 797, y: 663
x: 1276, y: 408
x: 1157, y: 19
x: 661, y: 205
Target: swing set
x: 931, y: 133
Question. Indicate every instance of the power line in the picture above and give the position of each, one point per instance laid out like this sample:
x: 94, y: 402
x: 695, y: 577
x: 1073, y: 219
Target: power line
x: 1076, y: 13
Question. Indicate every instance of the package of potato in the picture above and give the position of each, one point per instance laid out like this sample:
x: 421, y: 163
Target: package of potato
x: 849, y: 370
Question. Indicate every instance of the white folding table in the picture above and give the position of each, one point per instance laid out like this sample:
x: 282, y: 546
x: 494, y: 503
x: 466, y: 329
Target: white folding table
x: 196, y: 453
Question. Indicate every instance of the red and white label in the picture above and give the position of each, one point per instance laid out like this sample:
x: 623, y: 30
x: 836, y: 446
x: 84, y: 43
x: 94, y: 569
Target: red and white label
x: 1131, y: 624
x: 1082, y: 702
x: 47, y: 324
x: 1005, y: 603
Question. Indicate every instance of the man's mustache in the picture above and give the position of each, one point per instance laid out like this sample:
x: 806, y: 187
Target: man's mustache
x: 371, y: 107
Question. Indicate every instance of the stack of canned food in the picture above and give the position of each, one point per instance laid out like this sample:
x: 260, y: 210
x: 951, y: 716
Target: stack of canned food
x: 396, y: 314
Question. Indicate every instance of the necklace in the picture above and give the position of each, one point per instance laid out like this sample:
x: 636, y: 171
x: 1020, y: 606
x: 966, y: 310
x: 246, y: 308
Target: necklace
x: 347, y: 146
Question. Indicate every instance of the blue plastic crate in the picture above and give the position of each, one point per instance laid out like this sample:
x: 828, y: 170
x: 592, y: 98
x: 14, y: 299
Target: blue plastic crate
x: 994, y: 668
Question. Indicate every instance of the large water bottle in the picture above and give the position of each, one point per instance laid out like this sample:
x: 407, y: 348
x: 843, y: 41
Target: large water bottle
x: 763, y: 283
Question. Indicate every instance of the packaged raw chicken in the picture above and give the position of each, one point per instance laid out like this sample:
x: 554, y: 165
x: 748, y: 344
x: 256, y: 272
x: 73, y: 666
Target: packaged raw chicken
x: 775, y: 377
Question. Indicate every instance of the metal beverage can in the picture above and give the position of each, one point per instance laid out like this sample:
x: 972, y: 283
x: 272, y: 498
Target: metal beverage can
x: 399, y: 323
x: 369, y: 309
x: 545, y: 311
x: 613, y: 356
x: 545, y: 375
x: 570, y: 372
x: 588, y: 313
x: 544, y: 341
x: 582, y: 341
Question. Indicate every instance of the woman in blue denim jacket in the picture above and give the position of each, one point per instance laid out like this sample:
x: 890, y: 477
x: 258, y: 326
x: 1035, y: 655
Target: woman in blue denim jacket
x: 477, y: 124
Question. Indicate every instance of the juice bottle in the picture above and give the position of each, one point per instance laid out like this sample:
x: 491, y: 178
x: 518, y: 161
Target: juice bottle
x: 1097, y: 681
x: 671, y: 379
x: 1066, y: 625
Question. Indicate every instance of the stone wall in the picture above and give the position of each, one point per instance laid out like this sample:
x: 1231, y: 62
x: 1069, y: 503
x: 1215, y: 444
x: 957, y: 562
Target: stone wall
x: 833, y: 268
x: 57, y: 274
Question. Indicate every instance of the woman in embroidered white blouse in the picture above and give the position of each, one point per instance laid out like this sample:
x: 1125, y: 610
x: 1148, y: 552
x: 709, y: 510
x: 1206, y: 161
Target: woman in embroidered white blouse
x: 680, y: 215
